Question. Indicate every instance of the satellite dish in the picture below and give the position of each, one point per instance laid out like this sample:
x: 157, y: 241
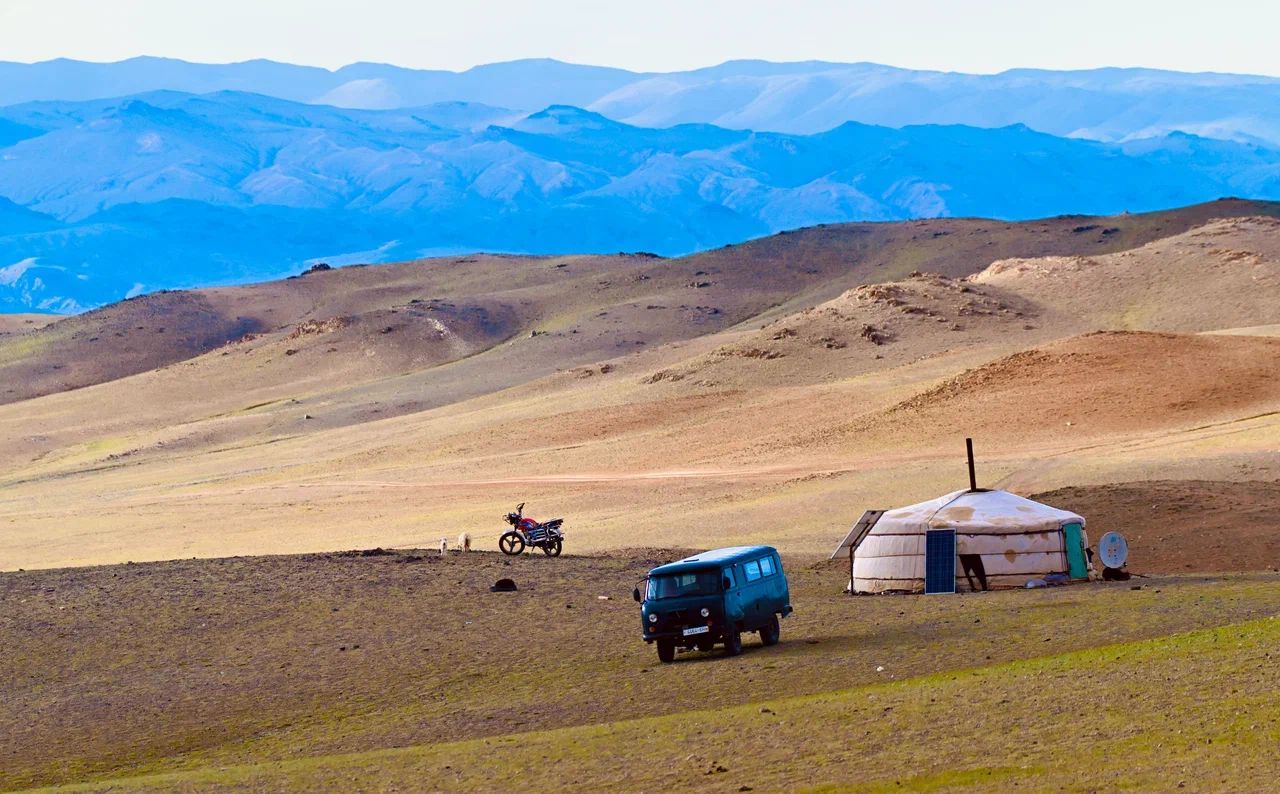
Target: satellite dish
x: 1113, y: 549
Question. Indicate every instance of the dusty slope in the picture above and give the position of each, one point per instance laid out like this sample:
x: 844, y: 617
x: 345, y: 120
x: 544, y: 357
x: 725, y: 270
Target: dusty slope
x: 590, y: 295
x: 890, y: 251
x: 867, y: 329
x: 625, y: 462
x: 203, y: 664
x: 381, y: 429
x: 1185, y: 525
x: 1099, y: 385
x: 11, y: 324
x: 1223, y: 275
x: 1227, y: 270
x: 253, y: 449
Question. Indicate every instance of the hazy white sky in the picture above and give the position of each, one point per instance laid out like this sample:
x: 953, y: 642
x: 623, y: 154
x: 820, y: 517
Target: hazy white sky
x: 658, y: 35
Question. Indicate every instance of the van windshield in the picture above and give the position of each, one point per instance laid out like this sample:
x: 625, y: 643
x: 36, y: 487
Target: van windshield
x: 675, y: 585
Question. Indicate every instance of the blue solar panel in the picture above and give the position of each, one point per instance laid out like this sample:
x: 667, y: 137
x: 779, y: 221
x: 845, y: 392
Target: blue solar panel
x: 940, y: 561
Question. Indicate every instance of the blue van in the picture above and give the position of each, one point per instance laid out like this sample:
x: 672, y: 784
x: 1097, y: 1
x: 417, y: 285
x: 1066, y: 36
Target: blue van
x: 712, y: 598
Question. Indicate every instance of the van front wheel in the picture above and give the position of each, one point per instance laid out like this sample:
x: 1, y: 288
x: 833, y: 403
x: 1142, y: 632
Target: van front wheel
x: 666, y: 651
x: 771, y: 631
x: 732, y: 643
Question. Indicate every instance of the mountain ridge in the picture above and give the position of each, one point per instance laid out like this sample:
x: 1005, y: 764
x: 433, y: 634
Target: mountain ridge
x: 1107, y: 103
x: 239, y: 186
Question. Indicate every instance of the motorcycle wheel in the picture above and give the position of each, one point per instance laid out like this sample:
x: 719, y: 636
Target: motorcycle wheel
x: 511, y: 544
x: 552, y: 548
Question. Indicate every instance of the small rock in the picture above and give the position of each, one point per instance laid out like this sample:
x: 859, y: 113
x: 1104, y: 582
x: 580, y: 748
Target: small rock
x: 880, y: 669
x: 766, y: 710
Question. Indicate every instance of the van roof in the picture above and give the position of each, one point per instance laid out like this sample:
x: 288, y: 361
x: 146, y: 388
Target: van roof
x: 713, y: 557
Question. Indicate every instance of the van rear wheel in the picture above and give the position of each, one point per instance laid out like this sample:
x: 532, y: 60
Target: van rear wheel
x: 666, y: 651
x: 770, y: 632
x: 732, y: 643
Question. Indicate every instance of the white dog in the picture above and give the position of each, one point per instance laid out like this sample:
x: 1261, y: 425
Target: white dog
x: 464, y: 541
x: 444, y: 546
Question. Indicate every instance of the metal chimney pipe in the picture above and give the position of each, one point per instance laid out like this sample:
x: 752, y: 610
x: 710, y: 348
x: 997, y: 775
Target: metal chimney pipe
x: 973, y: 479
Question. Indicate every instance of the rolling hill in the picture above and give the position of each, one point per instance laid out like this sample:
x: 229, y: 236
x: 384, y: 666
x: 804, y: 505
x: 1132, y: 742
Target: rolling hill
x: 201, y: 456
x: 812, y: 373
x: 634, y: 301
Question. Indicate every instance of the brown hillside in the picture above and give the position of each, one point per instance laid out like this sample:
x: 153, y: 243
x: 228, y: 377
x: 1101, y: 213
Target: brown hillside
x: 1175, y: 526
x: 11, y: 324
x: 869, y: 328
x: 411, y: 401
x: 1225, y: 272
x: 1100, y: 383
x: 617, y: 302
x: 955, y: 247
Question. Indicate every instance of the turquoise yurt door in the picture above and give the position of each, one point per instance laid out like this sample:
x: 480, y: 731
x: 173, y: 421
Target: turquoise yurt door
x: 1077, y: 567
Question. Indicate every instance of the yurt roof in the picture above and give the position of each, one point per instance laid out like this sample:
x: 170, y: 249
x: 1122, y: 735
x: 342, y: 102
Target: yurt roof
x: 993, y: 512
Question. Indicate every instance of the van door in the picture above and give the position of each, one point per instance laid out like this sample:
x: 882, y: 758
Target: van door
x: 784, y: 591
x: 755, y: 595
x: 775, y: 585
x: 733, y: 595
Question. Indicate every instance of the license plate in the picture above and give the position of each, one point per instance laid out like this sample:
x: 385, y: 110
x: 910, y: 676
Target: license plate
x: 696, y: 630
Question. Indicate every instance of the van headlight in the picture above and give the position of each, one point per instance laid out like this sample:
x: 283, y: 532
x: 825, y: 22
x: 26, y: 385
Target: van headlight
x: 706, y: 613
x: 653, y: 618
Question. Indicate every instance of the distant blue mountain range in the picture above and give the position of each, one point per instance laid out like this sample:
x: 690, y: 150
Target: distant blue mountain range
x: 105, y: 197
x: 807, y: 97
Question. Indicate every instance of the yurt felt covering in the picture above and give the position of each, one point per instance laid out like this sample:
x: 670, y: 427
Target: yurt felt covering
x: 1018, y: 539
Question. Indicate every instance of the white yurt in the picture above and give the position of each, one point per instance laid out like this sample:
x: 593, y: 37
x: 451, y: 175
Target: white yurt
x: 967, y: 540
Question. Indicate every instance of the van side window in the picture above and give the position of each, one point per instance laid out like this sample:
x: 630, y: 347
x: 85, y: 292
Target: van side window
x: 766, y: 566
x: 728, y: 574
x: 752, y: 570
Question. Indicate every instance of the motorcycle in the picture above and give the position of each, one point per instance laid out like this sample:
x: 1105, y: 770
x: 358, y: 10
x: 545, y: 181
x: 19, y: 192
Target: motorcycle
x: 547, y: 536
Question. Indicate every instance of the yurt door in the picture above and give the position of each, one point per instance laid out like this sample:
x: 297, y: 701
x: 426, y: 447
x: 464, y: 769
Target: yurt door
x: 1077, y: 568
x: 940, y: 561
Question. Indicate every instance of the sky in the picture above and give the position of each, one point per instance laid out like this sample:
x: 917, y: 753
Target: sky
x: 980, y: 36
